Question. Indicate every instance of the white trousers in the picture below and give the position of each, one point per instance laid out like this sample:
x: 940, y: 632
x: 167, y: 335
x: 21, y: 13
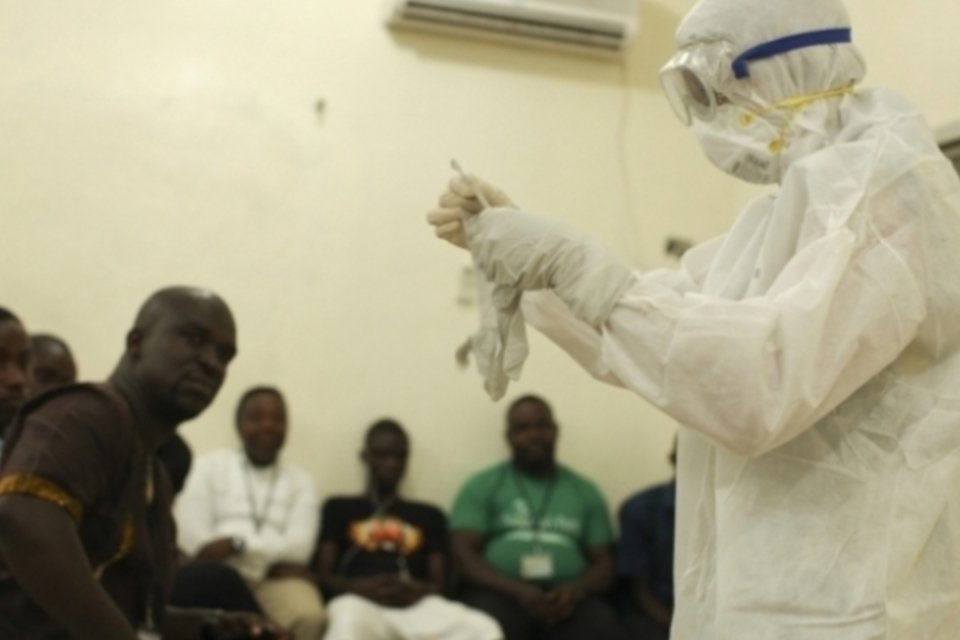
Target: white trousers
x: 352, y: 617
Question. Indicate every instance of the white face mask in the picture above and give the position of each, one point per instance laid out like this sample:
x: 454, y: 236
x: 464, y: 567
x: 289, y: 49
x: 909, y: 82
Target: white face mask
x: 749, y: 144
x: 742, y: 144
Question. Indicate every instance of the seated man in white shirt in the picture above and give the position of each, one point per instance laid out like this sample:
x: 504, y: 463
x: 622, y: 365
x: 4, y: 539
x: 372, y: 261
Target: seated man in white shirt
x: 248, y: 509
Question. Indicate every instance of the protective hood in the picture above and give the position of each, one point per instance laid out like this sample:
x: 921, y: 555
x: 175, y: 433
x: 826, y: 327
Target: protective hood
x: 747, y: 23
x: 724, y: 30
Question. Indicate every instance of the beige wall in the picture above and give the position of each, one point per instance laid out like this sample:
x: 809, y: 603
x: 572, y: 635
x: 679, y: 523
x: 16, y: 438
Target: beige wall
x: 150, y: 143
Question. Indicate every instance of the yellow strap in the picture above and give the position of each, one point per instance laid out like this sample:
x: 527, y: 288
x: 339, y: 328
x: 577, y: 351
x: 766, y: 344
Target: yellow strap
x: 793, y: 105
x: 797, y: 102
x: 800, y: 101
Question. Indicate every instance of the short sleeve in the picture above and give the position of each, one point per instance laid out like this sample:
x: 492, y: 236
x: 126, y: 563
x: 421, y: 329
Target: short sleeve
x: 597, y: 530
x: 65, y: 450
x: 632, y: 561
x: 436, y: 531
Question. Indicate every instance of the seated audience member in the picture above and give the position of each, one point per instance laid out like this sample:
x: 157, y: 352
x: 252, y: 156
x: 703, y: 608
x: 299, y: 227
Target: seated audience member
x: 87, y: 535
x: 52, y: 364
x: 210, y: 585
x: 532, y: 539
x: 14, y: 366
x: 247, y: 508
x: 383, y: 558
x: 645, y: 558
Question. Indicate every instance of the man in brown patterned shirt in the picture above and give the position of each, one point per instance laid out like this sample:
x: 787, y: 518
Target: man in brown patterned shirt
x: 86, y: 537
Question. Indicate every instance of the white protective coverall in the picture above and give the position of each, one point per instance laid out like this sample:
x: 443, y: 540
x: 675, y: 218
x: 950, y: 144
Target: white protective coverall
x: 813, y: 355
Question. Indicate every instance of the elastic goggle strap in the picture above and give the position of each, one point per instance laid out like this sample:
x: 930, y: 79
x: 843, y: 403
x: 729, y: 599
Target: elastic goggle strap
x: 783, y: 45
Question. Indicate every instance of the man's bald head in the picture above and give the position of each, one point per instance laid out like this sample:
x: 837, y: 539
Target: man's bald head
x: 177, y: 352
x: 171, y: 299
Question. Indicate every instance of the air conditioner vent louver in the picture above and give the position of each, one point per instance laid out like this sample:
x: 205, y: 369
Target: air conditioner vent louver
x: 598, y: 25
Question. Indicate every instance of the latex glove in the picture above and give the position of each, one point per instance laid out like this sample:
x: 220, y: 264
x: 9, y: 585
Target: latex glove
x: 460, y: 200
x: 519, y: 251
x: 499, y: 345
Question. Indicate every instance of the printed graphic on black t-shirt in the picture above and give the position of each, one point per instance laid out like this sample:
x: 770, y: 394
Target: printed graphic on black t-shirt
x: 398, y: 539
x: 388, y: 533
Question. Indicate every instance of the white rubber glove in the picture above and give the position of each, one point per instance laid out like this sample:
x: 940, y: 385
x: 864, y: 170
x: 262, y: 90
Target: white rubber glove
x: 519, y: 251
x: 460, y: 200
x: 499, y: 345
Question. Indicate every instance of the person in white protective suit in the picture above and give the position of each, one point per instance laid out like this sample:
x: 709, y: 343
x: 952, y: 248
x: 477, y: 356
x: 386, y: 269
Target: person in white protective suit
x: 812, y: 352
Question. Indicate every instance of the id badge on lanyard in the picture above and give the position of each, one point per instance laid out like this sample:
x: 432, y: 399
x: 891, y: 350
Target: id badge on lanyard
x: 536, y: 565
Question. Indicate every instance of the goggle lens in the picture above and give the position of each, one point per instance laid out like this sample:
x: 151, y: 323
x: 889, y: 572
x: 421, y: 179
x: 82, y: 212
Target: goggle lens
x: 688, y: 95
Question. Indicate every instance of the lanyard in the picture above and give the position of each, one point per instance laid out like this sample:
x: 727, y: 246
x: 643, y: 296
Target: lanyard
x: 536, y: 516
x: 379, y: 513
x: 259, y: 517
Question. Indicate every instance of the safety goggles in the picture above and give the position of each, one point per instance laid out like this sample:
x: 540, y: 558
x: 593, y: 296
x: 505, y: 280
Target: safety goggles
x: 686, y: 78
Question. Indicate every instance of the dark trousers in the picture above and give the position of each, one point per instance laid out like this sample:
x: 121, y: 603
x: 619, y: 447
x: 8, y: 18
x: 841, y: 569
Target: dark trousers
x: 643, y: 627
x: 593, y: 619
x: 211, y: 585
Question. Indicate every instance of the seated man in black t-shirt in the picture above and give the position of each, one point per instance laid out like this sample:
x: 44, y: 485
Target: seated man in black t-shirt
x: 383, y: 559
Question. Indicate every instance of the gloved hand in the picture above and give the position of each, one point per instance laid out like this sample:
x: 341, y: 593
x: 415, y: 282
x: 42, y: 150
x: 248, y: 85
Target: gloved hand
x: 519, y: 251
x: 461, y: 200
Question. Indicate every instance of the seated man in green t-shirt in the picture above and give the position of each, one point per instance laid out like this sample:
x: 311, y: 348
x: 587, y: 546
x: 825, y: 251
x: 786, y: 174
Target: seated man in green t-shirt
x: 531, y: 539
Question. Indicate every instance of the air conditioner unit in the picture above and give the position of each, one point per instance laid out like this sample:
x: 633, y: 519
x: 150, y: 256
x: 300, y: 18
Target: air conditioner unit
x: 599, y: 26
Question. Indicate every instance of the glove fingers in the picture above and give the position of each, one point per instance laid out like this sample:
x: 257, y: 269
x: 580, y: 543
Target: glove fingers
x: 472, y: 207
x: 470, y: 186
x: 451, y: 199
x: 448, y: 228
x: 463, y: 186
x: 443, y: 216
x: 455, y: 237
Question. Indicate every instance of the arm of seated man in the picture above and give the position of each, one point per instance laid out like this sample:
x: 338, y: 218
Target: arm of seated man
x: 383, y: 589
x: 467, y: 547
x: 40, y: 546
x: 597, y: 579
x: 411, y: 589
x: 648, y: 602
x: 217, y: 550
x: 195, y: 624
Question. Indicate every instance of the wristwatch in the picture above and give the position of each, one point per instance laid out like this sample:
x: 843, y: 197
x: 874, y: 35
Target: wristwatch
x: 238, y: 544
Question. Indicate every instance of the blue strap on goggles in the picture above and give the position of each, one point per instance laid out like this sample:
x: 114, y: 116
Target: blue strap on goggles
x: 783, y: 45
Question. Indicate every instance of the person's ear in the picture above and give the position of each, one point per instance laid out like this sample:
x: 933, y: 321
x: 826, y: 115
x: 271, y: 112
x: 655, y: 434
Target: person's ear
x: 134, y: 342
